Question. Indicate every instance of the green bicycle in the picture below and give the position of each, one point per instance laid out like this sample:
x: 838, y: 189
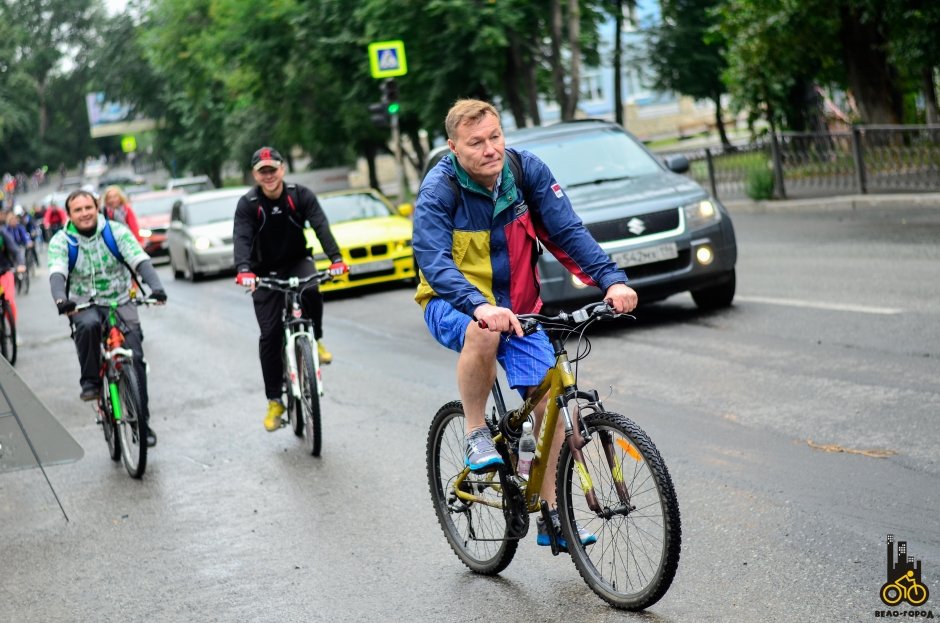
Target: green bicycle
x: 118, y: 407
x: 610, y: 479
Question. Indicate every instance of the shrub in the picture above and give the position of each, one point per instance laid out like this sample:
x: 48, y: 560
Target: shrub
x: 760, y: 184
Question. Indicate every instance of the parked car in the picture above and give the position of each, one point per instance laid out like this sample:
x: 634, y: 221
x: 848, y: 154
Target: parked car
x: 661, y: 227
x: 69, y: 184
x: 194, y: 184
x: 153, y: 218
x: 200, y: 236
x: 373, y: 235
x: 127, y: 181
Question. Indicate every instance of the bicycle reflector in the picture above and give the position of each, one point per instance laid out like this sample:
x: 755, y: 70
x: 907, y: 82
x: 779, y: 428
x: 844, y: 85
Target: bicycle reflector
x: 115, y: 338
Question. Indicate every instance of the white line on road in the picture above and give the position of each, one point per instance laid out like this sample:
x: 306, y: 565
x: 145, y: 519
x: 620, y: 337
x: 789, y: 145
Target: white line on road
x: 862, y: 309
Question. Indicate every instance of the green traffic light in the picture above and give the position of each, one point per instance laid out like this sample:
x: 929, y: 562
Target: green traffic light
x: 393, y: 108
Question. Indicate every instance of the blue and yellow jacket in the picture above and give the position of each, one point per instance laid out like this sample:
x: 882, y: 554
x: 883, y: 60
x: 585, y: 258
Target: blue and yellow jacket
x: 477, y: 248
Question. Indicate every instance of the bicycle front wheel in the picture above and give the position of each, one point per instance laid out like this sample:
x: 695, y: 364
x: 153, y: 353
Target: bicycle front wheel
x: 635, y: 557
x: 309, y: 396
x: 476, y: 531
x: 7, y: 333
x: 295, y: 412
x: 109, y: 427
x: 132, y: 426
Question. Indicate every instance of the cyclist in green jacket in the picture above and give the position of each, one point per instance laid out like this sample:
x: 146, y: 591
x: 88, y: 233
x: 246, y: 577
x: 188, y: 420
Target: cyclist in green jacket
x: 99, y: 275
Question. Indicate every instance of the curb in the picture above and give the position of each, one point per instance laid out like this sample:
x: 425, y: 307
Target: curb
x: 844, y: 203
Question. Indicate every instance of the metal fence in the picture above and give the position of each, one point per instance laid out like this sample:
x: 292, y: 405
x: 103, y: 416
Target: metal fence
x: 791, y: 165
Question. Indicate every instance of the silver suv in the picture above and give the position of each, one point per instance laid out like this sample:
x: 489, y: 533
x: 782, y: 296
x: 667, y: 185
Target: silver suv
x: 661, y: 227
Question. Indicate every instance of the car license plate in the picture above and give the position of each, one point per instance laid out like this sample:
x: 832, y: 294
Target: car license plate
x: 370, y: 267
x: 647, y: 255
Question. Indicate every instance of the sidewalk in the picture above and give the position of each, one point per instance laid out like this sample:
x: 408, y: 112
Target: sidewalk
x: 842, y: 203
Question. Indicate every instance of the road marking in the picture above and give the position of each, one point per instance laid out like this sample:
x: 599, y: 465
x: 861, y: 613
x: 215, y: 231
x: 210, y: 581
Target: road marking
x: 862, y: 309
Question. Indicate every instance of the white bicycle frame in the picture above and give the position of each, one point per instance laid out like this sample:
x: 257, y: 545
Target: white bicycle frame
x: 290, y: 342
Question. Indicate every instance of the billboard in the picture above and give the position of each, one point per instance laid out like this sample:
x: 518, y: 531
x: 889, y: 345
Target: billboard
x: 106, y: 118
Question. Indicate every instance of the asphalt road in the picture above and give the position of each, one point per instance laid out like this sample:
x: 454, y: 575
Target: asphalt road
x: 770, y: 416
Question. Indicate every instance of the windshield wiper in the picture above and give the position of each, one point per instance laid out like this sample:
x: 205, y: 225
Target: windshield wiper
x: 600, y: 180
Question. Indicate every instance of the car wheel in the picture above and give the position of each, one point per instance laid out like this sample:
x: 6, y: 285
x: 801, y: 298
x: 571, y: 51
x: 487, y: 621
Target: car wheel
x: 191, y: 273
x: 177, y: 273
x: 715, y: 297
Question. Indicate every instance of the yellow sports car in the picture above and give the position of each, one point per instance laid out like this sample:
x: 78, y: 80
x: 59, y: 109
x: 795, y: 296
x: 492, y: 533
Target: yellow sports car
x: 374, y: 237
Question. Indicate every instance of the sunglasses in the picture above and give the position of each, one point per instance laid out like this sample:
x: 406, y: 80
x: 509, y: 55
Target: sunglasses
x: 267, y: 171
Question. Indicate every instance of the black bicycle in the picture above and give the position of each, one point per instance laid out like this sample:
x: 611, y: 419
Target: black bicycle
x: 302, y: 381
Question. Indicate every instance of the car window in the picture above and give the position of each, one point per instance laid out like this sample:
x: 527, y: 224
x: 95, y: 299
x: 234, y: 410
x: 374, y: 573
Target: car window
x: 211, y: 211
x: 578, y: 159
x: 354, y: 207
x: 157, y: 205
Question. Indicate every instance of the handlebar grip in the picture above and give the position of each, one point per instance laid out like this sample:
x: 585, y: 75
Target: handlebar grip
x: 482, y: 324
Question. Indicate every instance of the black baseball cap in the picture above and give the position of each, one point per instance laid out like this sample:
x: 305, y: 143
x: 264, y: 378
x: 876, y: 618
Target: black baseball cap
x: 266, y: 157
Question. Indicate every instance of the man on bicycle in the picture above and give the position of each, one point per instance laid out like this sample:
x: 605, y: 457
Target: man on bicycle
x: 98, y: 274
x: 478, y: 232
x: 269, y: 240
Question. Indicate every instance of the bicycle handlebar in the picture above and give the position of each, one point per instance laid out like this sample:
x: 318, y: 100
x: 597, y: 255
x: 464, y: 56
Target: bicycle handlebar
x: 292, y: 283
x: 600, y: 310
x: 134, y: 301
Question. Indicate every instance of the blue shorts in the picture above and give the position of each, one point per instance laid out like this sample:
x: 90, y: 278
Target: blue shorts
x: 525, y: 359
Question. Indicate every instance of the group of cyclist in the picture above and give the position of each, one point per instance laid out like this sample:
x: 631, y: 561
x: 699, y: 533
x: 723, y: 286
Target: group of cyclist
x: 478, y: 230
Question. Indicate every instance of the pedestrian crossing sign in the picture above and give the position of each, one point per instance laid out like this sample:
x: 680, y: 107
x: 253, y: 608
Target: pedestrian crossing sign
x: 387, y: 59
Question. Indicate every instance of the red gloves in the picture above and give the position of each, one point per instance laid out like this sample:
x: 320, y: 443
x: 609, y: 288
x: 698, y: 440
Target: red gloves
x: 245, y: 279
x: 338, y: 268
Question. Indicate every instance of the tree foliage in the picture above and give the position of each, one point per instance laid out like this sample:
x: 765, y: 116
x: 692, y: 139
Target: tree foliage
x: 224, y: 76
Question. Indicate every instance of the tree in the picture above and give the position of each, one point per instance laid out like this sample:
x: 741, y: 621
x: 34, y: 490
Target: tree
x: 686, y: 53
x: 181, y: 48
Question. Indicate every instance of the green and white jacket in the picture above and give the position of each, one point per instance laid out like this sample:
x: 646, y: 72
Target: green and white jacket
x: 97, y: 273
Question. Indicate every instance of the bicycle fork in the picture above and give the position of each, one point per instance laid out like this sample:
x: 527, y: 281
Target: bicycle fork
x: 577, y: 439
x: 115, y: 357
x: 290, y: 343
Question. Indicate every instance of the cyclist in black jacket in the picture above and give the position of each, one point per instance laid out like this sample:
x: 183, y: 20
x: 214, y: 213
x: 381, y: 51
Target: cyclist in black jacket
x: 269, y: 241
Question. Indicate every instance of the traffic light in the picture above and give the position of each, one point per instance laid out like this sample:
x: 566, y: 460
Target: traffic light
x: 390, y: 95
x: 378, y: 113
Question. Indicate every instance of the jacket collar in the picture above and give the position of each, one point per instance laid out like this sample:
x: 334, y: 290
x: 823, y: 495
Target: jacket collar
x: 506, y: 193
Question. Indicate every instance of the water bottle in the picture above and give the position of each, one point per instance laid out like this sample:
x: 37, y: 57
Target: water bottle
x: 526, y: 451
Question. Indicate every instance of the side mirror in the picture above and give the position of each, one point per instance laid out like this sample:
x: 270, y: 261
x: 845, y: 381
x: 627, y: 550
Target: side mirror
x: 677, y: 163
x: 406, y: 209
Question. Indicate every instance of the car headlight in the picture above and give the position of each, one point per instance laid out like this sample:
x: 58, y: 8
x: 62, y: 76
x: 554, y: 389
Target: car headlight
x: 202, y: 243
x: 701, y: 214
x: 144, y: 232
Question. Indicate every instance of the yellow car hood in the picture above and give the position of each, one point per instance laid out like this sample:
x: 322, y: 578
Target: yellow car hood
x: 365, y: 232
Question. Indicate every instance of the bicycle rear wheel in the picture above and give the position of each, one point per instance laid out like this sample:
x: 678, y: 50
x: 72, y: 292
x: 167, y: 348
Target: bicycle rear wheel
x: 132, y: 426
x: 7, y: 332
x: 478, y: 533
x: 634, y: 560
x: 309, y: 396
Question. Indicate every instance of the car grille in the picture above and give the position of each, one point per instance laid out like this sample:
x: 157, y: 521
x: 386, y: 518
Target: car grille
x: 653, y: 223
x: 372, y: 275
x: 376, y: 250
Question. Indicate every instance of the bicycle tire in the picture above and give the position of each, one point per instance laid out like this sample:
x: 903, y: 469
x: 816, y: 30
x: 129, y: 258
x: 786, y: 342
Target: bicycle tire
x: 478, y: 534
x: 295, y: 412
x: 109, y: 427
x: 635, y: 558
x: 132, y: 426
x: 309, y: 396
x: 7, y: 332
